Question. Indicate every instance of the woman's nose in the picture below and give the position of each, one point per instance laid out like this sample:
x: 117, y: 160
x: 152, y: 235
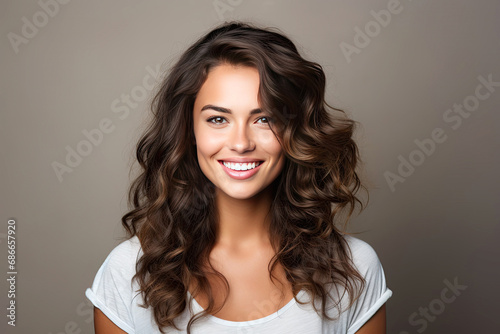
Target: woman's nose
x: 241, y: 139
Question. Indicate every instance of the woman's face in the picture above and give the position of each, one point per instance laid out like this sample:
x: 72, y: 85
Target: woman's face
x: 236, y: 149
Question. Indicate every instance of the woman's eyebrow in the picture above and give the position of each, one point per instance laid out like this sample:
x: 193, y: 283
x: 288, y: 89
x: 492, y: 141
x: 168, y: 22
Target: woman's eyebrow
x: 228, y: 111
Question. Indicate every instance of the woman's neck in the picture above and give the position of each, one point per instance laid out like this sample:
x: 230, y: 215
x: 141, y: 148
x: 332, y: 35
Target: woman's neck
x: 243, y: 223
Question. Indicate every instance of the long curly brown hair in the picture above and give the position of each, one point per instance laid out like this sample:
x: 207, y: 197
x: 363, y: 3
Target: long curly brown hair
x: 174, y: 213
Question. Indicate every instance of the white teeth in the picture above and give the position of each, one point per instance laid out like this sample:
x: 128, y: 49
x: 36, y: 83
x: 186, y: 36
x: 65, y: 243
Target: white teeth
x: 240, y: 166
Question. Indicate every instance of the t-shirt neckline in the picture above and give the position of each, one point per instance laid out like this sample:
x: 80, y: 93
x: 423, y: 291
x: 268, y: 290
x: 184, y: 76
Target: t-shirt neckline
x: 197, y: 308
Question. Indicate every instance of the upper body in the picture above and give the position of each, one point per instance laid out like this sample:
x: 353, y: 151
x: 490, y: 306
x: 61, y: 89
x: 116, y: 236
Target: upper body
x: 246, y: 170
x: 113, y: 293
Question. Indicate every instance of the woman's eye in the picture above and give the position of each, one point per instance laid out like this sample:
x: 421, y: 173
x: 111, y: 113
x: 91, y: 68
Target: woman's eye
x: 216, y: 120
x: 264, y: 120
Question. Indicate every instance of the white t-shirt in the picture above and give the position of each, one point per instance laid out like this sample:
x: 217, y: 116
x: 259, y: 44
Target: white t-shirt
x: 114, y: 295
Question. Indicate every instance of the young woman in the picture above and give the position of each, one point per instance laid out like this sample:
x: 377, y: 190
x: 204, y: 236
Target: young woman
x: 234, y: 227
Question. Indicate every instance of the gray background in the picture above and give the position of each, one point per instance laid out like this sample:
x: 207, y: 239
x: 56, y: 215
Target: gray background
x: 439, y: 225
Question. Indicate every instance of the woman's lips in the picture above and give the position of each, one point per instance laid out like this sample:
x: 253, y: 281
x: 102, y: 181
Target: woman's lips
x: 240, y: 174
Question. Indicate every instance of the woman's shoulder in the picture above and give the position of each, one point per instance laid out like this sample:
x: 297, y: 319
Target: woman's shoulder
x: 120, y: 263
x: 114, y: 277
x: 359, y: 246
x: 113, y: 290
x: 126, y: 247
x: 125, y: 255
x: 375, y: 292
x: 363, y: 255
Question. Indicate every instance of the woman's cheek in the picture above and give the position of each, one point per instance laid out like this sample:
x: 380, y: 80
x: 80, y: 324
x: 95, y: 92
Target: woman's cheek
x: 270, y: 143
x: 209, y: 142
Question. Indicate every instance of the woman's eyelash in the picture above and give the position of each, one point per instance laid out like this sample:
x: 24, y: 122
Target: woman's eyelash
x: 211, y: 119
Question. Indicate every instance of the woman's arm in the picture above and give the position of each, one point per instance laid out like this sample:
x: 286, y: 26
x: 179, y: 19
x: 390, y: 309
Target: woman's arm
x: 103, y: 325
x: 376, y: 324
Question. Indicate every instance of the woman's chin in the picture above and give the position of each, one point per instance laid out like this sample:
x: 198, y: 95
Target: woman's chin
x: 239, y: 194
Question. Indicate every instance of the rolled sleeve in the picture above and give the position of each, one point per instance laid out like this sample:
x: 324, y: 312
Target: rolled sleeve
x: 375, y: 292
x: 112, y: 289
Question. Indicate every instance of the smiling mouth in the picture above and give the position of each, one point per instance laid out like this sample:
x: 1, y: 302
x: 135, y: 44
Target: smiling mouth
x: 238, y: 166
